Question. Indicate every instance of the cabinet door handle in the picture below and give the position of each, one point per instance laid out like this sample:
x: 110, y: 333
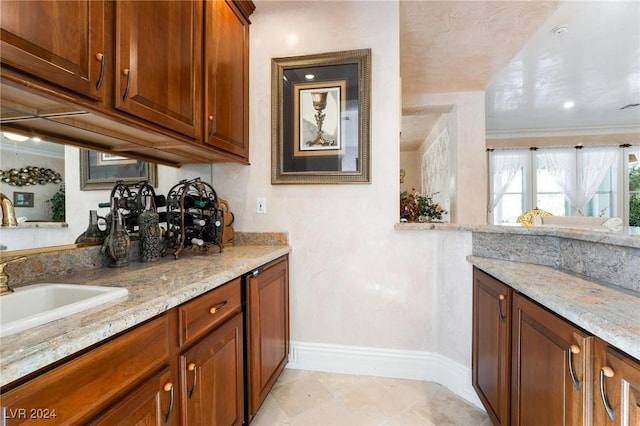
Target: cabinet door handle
x: 126, y: 72
x: 100, y: 57
x: 194, y: 368
x: 217, y: 308
x: 168, y: 387
x: 500, y: 300
x: 573, y: 349
x: 212, y: 126
x: 606, y: 372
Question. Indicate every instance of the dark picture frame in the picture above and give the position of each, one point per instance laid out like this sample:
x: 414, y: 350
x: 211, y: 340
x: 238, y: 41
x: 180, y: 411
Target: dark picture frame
x: 100, y: 170
x: 23, y: 199
x: 320, y: 112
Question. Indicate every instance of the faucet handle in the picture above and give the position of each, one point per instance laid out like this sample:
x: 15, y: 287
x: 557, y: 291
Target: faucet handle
x: 14, y: 260
x: 4, y: 279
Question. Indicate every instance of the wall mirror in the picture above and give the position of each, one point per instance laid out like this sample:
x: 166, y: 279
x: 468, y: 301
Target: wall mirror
x: 100, y: 170
x: 35, y: 167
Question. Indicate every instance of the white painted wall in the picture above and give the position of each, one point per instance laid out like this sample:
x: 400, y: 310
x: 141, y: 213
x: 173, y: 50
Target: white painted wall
x: 355, y: 281
x: 365, y: 298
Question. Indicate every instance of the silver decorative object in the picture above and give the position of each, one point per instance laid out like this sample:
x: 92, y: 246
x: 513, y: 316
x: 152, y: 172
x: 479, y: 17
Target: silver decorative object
x: 319, y: 104
x: 149, y: 233
x: 118, y: 242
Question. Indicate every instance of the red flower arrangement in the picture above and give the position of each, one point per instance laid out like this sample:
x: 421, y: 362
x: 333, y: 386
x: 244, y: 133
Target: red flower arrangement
x: 417, y: 207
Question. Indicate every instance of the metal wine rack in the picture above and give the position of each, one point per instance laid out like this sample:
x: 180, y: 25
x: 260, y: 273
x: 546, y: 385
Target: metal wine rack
x: 194, y: 217
x: 132, y: 201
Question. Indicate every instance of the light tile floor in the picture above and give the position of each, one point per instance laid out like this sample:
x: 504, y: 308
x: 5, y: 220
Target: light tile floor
x: 310, y: 398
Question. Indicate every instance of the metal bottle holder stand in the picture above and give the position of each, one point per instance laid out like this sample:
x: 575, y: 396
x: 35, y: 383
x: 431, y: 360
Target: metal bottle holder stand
x: 132, y: 202
x: 194, y: 216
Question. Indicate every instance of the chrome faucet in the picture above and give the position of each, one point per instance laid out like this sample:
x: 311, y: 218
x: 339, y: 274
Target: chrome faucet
x: 4, y: 278
x: 8, y: 212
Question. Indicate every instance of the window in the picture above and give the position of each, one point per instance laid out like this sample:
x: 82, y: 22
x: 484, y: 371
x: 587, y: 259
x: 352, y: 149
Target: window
x: 633, y: 176
x: 564, y: 182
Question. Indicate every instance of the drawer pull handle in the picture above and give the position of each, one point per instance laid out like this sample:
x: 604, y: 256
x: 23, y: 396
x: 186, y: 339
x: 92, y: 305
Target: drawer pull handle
x: 212, y: 127
x: 606, y: 372
x: 217, y: 308
x: 194, y: 368
x: 573, y: 349
x: 100, y: 57
x: 126, y: 72
x: 500, y: 300
x: 168, y: 387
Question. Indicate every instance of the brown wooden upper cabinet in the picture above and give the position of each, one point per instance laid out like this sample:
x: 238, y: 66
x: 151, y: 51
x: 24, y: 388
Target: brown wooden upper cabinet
x: 178, y: 69
x: 159, y: 62
x: 226, y: 85
x: 61, y: 42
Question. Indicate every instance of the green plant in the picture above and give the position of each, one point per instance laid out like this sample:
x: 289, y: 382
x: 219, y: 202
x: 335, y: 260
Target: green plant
x: 634, y: 200
x: 634, y: 210
x: 57, y: 205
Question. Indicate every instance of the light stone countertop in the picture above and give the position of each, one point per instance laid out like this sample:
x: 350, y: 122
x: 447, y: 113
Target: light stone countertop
x: 153, y: 289
x: 609, y: 312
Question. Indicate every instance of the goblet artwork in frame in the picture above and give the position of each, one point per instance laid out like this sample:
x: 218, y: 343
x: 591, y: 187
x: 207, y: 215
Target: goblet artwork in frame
x: 320, y: 118
x: 320, y: 109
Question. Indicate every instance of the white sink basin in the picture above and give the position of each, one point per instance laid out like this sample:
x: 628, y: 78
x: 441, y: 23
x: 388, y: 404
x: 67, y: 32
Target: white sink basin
x: 38, y: 304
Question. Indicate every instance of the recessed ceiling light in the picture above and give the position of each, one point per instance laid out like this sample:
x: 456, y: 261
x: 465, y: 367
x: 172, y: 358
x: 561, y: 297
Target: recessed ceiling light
x: 560, y: 30
x: 309, y: 76
x: 569, y: 104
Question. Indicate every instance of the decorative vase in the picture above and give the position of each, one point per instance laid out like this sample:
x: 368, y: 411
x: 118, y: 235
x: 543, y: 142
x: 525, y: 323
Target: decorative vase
x: 118, y: 242
x: 93, y: 234
x: 149, y: 233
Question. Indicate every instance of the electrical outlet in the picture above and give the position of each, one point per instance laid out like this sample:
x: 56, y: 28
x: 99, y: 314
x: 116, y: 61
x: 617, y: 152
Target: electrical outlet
x: 261, y: 205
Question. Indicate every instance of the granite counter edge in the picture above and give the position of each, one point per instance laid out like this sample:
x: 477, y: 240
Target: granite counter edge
x: 104, y: 322
x: 569, y: 307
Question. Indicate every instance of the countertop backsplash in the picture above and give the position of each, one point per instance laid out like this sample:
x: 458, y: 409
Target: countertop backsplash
x: 600, y: 262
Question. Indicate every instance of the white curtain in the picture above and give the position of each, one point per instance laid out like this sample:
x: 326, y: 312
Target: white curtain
x: 504, y: 165
x: 579, y: 172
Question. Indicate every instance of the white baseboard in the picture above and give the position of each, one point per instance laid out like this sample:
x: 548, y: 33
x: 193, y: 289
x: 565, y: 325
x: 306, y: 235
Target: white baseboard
x: 413, y: 365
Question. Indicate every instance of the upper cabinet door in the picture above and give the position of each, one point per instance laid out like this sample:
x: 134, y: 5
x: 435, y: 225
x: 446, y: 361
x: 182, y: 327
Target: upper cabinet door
x: 61, y: 42
x: 226, y: 82
x: 159, y: 63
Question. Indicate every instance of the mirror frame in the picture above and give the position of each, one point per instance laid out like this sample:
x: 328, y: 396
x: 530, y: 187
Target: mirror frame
x: 88, y: 184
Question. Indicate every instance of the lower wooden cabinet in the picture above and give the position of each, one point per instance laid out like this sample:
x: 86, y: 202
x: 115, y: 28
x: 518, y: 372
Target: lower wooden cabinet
x: 80, y: 389
x: 491, y: 353
x: 616, y: 398
x: 268, y: 329
x: 151, y: 403
x: 184, y: 367
x: 212, y: 378
x: 551, y: 368
x: 559, y: 374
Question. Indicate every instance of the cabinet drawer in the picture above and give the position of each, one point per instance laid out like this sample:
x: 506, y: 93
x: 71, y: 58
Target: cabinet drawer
x: 209, y: 310
x: 74, y: 392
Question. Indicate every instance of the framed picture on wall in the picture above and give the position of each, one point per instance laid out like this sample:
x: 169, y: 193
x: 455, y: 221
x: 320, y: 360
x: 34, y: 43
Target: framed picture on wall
x: 23, y: 199
x: 99, y: 170
x: 320, y: 106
